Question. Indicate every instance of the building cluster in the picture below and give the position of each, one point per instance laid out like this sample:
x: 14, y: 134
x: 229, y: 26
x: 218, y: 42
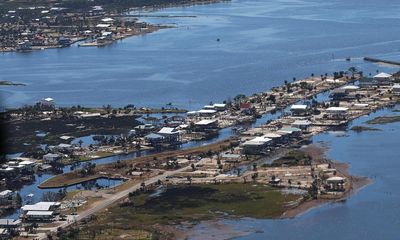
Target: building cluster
x: 31, y: 215
x: 292, y: 129
x: 33, y: 28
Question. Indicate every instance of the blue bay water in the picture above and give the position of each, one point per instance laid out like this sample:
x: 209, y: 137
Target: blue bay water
x: 262, y: 43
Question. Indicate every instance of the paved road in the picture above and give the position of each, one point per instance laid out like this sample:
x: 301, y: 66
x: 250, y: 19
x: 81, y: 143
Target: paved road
x: 118, y: 196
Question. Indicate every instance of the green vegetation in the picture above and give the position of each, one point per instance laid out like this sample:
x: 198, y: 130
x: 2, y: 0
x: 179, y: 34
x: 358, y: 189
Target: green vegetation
x: 363, y: 128
x: 293, y: 158
x: 384, y: 120
x: 192, y: 203
x: 198, y: 202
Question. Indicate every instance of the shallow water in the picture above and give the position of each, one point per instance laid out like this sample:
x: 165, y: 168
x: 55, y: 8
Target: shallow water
x: 262, y: 43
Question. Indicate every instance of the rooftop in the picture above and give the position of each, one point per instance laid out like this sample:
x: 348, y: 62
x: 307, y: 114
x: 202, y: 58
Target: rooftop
x: 299, y: 106
x: 206, y: 122
x: 382, y: 75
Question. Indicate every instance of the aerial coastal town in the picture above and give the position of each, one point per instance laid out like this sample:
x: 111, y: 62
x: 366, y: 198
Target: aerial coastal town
x: 253, y: 145
x: 189, y: 130
x: 58, y: 24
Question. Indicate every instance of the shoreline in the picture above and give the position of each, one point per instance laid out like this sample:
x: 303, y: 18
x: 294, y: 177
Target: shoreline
x: 356, y: 184
x: 217, y: 229
x: 149, y: 29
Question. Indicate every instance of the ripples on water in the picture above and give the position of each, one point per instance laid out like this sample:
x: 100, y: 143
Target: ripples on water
x: 262, y: 43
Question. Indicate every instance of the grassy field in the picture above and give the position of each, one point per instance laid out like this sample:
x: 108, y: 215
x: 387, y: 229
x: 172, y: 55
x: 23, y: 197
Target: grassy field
x: 191, y: 203
x: 67, y: 179
x: 383, y: 120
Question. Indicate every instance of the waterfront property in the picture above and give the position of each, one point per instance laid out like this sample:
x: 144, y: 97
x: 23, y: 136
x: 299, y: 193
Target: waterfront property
x: 336, y: 113
x: 256, y: 145
x: 300, y: 110
x: 383, y: 78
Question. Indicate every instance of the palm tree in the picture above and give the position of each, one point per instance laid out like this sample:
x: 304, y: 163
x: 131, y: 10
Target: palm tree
x: 353, y: 71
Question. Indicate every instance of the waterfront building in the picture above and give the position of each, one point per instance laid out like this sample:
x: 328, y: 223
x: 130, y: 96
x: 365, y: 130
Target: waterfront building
x: 25, y: 45
x: 302, y: 124
x: 171, y: 135
x: 335, y: 183
x: 54, y: 207
x: 300, y: 110
x: 154, y: 139
x: 39, y: 215
x: 64, y: 41
x: 367, y: 83
x: 346, y: 92
x: 276, y: 138
x: 10, y: 223
x: 291, y: 131
x: 51, y: 157
x: 46, y: 104
x: 383, y: 78
x: 337, y: 113
x: 6, y: 197
x: 396, y: 89
x: 256, y: 145
x: 7, y: 171
x: 206, y: 125
x: 220, y: 106
x: 144, y: 129
x: 209, y: 107
x: 206, y: 112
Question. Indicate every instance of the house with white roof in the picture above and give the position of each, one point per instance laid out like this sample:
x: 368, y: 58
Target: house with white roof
x: 47, y: 103
x: 206, y: 125
x: 220, y: 106
x: 383, y: 78
x: 300, y: 110
x: 6, y: 196
x: 337, y: 113
x: 206, y: 112
x: 256, y: 145
x: 302, y: 124
x: 396, y: 89
x: 172, y: 135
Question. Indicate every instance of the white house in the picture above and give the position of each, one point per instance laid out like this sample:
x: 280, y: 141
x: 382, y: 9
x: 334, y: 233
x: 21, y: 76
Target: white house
x: 337, y: 113
x: 299, y: 110
x: 256, y: 145
x: 206, y: 125
x: 207, y: 112
x: 47, y: 103
x: 383, y: 78
x: 6, y: 196
x: 396, y: 89
x: 219, y: 106
x: 170, y: 134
